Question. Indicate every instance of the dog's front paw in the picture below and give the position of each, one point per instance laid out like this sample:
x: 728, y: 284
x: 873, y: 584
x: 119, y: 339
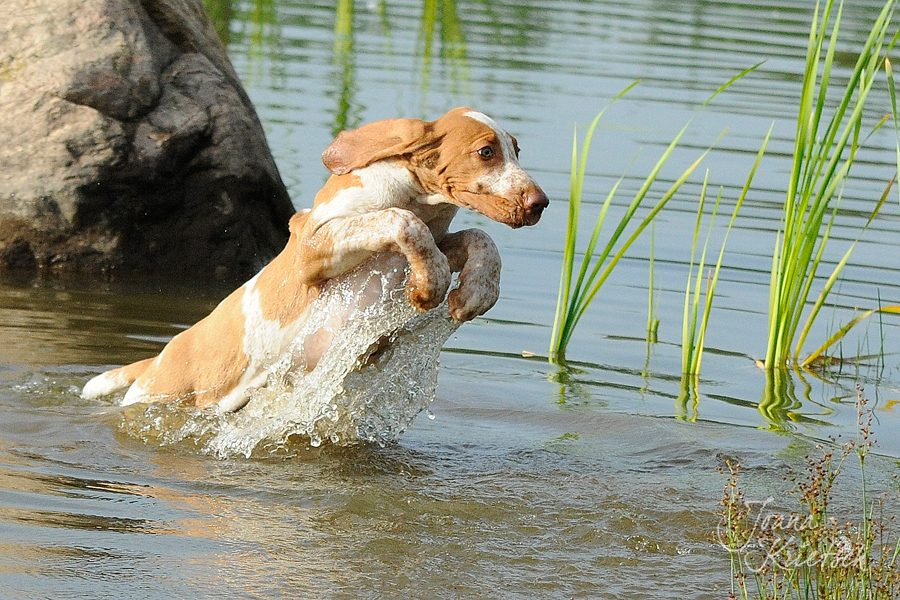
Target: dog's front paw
x: 475, y: 295
x: 427, y: 287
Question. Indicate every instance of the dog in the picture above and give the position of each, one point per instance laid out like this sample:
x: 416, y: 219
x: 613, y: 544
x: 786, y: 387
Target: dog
x: 395, y: 187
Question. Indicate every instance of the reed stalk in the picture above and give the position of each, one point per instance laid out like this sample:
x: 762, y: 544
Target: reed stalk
x: 889, y: 71
x: 694, y: 323
x: 577, y: 291
x: 652, y: 320
x: 691, y: 339
x: 823, y: 155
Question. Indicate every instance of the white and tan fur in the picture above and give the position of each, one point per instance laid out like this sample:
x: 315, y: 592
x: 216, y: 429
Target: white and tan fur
x: 396, y: 185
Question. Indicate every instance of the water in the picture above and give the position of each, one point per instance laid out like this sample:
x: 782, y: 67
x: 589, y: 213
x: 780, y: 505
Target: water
x: 597, y: 481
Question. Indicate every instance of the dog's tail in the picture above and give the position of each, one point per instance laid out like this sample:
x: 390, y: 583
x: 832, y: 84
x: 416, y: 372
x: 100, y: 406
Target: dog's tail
x: 114, y: 380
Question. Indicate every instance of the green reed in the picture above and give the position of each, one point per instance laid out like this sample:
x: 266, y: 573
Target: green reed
x: 824, y: 152
x: 693, y: 333
x: 220, y: 13
x: 694, y: 323
x: 893, y: 93
x: 577, y: 290
x: 652, y: 320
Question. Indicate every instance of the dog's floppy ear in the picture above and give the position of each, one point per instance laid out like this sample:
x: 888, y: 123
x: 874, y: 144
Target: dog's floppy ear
x: 361, y: 147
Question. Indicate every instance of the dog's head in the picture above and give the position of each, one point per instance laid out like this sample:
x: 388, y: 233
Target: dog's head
x: 463, y: 158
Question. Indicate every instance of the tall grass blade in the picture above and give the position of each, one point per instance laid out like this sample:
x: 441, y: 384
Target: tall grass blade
x: 577, y: 292
x: 832, y: 279
x: 689, y: 318
x: 839, y: 335
x: 598, y: 278
x: 824, y: 153
x: 695, y: 322
x: 576, y: 185
x: 565, y: 278
x: 699, y: 343
x: 652, y: 321
x: 892, y: 89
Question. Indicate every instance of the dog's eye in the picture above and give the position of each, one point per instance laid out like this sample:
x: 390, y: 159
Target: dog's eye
x: 486, y: 152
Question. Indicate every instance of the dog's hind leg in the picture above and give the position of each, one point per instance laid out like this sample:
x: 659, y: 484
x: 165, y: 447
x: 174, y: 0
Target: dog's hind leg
x: 115, y: 380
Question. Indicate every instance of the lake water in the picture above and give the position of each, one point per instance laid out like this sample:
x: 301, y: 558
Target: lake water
x: 594, y: 481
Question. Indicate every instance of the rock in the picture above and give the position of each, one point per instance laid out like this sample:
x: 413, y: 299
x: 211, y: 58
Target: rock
x: 129, y: 144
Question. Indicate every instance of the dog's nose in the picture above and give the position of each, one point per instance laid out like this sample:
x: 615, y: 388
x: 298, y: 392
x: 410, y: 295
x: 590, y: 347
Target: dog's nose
x: 535, y: 203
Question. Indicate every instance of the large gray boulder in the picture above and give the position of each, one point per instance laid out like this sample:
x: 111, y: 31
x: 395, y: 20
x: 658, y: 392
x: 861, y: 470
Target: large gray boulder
x: 128, y: 144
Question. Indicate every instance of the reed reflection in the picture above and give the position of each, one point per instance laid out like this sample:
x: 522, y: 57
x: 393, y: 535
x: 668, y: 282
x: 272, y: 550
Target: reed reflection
x: 453, y: 43
x: 349, y: 111
x: 221, y: 12
x: 440, y: 20
x: 688, y: 403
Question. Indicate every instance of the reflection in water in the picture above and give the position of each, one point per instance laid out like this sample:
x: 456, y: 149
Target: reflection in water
x: 265, y: 37
x: 443, y: 14
x: 453, y: 43
x: 72, y: 520
x: 686, y: 408
x: 779, y: 405
x: 782, y: 407
x: 577, y: 382
x: 348, y: 113
x: 221, y: 12
x: 565, y: 376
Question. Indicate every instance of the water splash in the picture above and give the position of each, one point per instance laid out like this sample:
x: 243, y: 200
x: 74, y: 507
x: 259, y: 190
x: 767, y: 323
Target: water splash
x: 379, y: 372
